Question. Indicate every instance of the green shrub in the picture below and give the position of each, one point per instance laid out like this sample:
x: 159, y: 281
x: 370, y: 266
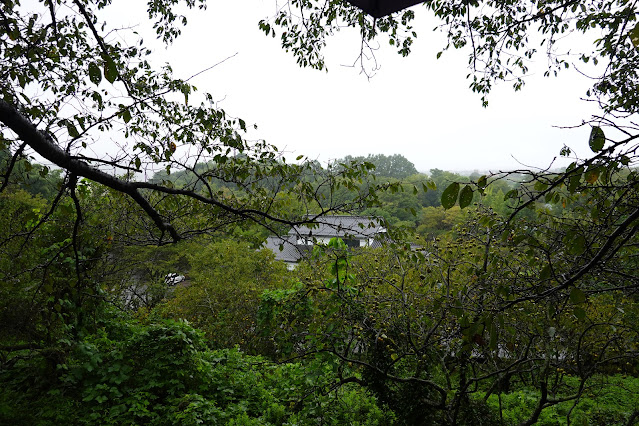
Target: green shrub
x: 163, y: 374
x: 607, y: 400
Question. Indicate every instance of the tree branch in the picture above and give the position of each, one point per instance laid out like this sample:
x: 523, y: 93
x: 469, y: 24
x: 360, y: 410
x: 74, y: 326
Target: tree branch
x: 42, y: 143
x: 12, y: 164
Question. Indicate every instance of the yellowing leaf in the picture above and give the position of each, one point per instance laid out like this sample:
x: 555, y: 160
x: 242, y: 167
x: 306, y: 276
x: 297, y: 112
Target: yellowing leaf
x: 592, y: 175
x: 634, y: 36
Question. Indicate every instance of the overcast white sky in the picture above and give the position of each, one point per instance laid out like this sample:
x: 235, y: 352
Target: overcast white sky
x: 417, y: 106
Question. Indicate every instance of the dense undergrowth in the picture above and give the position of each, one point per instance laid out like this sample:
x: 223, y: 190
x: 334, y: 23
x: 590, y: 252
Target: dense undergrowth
x: 163, y: 374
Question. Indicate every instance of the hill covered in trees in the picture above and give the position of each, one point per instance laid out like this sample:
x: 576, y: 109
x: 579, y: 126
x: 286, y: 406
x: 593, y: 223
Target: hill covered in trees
x: 127, y: 344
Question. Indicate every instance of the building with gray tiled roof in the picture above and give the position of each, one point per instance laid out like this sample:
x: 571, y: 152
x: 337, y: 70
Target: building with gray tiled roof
x: 356, y: 231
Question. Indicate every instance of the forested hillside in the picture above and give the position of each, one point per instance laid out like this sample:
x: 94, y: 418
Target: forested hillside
x: 497, y: 299
x: 370, y: 331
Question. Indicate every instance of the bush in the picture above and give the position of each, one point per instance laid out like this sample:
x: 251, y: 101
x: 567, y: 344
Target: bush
x: 222, y: 293
x: 608, y: 400
x: 163, y: 374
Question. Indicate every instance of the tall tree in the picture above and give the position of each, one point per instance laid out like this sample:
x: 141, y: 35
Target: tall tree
x: 76, y: 97
x: 394, y: 166
x: 560, y: 267
x: 67, y: 85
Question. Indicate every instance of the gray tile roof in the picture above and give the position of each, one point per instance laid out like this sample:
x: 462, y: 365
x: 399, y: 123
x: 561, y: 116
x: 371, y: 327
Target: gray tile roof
x: 290, y: 251
x: 359, y: 227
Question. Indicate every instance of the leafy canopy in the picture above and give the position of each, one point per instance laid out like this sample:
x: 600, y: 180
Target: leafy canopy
x: 69, y: 84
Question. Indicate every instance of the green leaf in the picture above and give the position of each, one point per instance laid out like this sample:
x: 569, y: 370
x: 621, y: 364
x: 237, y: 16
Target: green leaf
x: 66, y: 209
x: 95, y: 75
x: 14, y: 34
x: 577, y: 296
x: 138, y: 163
x: 449, y: 196
x: 576, y: 243
x: 503, y: 291
x: 110, y: 70
x: 126, y: 115
x: 574, y: 180
x: 511, y: 194
x: 580, y: 313
x: 634, y: 36
x: 465, y: 196
x: 540, y: 186
x: 548, y: 197
x: 597, y: 139
x: 73, y: 131
x: 482, y: 182
x: 518, y: 239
